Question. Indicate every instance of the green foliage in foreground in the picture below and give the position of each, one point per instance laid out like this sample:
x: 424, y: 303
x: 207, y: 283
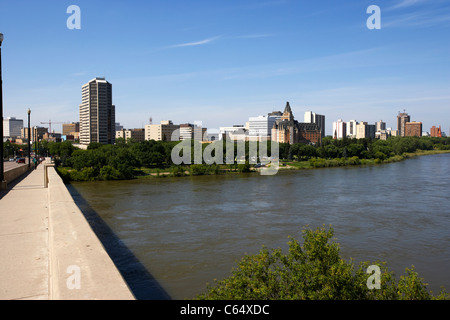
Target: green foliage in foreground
x: 313, y: 271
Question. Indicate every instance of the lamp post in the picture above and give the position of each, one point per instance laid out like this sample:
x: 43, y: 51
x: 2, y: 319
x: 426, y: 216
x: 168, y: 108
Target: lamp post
x: 2, y: 177
x: 29, y: 138
x: 35, y: 142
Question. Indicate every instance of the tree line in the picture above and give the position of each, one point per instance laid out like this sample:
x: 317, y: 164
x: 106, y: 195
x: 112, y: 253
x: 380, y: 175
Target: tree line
x: 362, y: 148
x: 125, y: 159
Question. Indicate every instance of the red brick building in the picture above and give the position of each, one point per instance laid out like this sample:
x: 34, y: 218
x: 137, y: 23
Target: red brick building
x: 436, y: 132
x: 413, y: 129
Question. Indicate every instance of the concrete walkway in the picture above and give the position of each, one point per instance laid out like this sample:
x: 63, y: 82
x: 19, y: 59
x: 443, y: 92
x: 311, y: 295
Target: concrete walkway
x: 48, y: 250
x: 24, y: 262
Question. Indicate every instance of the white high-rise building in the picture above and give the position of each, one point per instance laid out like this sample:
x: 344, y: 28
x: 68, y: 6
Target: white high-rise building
x: 261, y: 126
x: 339, y: 129
x: 365, y: 130
x: 351, y: 128
x: 12, y: 127
x: 97, y: 113
x: 311, y: 117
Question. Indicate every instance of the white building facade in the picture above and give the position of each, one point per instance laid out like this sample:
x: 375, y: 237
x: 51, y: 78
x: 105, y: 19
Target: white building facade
x: 12, y: 127
x: 261, y: 126
x: 339, y: 129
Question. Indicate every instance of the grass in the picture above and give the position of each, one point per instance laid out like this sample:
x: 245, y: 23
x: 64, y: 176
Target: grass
x: 425, y: 153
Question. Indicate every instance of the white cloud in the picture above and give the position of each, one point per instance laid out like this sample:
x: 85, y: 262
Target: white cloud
x: 407, y: 3
x: 418, y: 19
x: 196, y: 43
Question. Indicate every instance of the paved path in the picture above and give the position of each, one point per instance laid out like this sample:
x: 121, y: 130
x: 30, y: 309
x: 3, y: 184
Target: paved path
x: 8, y: 165
x: 24, y: 255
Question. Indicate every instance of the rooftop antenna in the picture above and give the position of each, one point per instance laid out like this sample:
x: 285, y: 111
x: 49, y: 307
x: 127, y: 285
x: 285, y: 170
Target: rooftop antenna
x: 151, y: 120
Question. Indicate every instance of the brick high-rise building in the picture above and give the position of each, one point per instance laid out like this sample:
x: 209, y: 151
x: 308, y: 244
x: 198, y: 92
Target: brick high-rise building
x: 413, y: 129
x: 436, y: 132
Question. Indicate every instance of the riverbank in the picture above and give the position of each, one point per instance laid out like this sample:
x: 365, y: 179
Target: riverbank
x: 202, y: 169
x: 297, y: 165
x: 342, y: 162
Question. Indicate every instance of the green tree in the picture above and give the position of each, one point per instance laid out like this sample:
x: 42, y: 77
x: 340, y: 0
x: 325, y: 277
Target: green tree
x: 313, y: 270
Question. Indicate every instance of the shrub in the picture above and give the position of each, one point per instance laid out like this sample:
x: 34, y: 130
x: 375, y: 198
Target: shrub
x: 354, y: 161
x: 109, y: 173
x: 178, y: 171
x: 244, y: 167
x: 198, y: 169
x: 312, y: 271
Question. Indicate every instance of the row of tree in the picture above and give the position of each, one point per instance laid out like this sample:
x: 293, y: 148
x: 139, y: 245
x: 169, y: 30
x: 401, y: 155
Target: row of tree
x: 119, y: 161
x: 362, y: 148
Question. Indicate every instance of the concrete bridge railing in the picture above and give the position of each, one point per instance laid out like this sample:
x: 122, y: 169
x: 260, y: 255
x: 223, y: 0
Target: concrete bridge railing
x: 80, y: 268
x: 14, y: 173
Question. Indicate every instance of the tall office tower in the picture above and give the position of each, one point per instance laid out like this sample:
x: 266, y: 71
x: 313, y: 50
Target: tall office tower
x: 402, y: 119
x: 311, y: 117
x: 97, y: 113
x: 12, y: 127
x: 339, y: 129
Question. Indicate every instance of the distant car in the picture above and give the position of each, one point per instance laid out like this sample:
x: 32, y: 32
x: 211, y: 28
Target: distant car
x: 21, y: 160
x: 11, y: 159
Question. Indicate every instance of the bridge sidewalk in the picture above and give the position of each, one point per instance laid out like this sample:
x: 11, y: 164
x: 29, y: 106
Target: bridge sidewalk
x: 24, y: 263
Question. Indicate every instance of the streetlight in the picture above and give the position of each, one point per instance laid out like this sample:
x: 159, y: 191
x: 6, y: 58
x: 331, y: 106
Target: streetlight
x: 2, y: 178
x: 35, y: 141
x: 29, y: 138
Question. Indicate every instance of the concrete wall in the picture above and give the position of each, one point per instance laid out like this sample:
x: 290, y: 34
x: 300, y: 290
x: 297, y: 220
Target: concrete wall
x: 80, y: 268
x: 15, y: 173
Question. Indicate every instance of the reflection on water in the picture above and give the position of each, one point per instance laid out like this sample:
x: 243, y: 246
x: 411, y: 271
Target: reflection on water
x: 188, y: 231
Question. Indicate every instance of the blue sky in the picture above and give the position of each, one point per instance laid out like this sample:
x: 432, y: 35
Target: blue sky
x: 222, y: 61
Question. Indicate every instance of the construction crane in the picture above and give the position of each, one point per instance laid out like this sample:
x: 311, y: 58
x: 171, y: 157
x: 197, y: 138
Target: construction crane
x: 50, y: 124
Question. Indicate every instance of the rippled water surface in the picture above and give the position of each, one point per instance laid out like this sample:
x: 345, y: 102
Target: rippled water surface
x: 188, y: 231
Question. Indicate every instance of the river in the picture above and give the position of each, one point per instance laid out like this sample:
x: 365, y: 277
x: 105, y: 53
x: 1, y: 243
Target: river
x: 185, y: 232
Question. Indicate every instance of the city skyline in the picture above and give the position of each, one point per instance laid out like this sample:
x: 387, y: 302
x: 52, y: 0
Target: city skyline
x: 223, y: 62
